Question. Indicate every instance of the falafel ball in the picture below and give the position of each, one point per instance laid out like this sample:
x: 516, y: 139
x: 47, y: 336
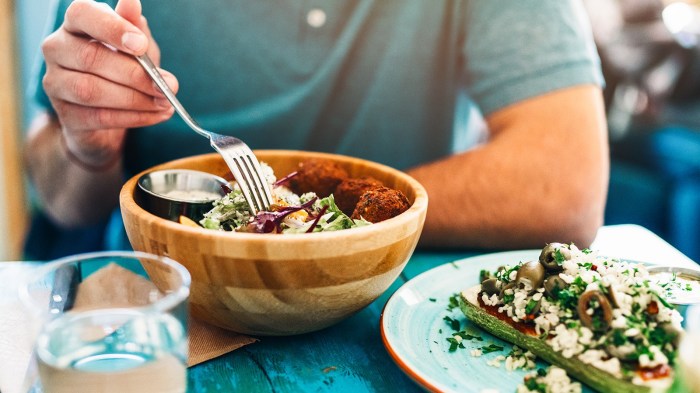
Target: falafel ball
x: 319, y: 176
x: 380, y: 204
x: 349, y: 191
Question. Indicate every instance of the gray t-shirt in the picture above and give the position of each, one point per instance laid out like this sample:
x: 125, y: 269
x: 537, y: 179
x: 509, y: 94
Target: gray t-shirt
x: 377, y: 79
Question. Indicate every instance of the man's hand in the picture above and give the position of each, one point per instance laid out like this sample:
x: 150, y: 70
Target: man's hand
x: 95, y: 85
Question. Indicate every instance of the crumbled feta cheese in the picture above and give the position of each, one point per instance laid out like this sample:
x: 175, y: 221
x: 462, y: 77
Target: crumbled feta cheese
x: 592, y: 355
x: 589, y: 276
x: 658, y: 358
x: 566, y: 341
x: 567, y: 278
x: 556, y: 381
x: 611, y: 366
x: 518, y: 359
x: 585, y: 336
x: 476, y: 353
x: 496, y: 362
x: 570, y: 268
x: 492, y: 300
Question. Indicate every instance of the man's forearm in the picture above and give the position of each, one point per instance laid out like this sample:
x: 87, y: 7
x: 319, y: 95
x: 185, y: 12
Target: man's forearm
x: 542, y: 177
x: 72, y: 195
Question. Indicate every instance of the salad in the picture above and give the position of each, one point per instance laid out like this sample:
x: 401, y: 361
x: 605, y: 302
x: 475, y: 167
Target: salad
x: 290, y: 212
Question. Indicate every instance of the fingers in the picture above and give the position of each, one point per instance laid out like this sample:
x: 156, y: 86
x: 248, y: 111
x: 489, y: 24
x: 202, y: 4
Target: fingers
x: 129, y: 10
x: 93, y: 91
x: 153, y: 49
x: 98, y: 21
x: 86, y: 55
x: 80, y: 118
x: 92, y: 79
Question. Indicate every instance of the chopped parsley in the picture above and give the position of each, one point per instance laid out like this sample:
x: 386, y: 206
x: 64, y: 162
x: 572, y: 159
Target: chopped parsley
x: 504, y: 275
x: 559, y: 257
x: 457, y: 339
x: 568, y: 298
x: 491, y: 348
x: 507, y: 299
x: 484, y: 275
x: 453, y: 323
x: 468, y: 336
x: 533, y: 385
x: 618, y: 337
x: 530, y: 307
x: 453, y: 302
x: 454, y: 344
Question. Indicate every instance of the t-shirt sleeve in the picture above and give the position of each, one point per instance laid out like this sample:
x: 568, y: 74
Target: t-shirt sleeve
x: 515, y: 50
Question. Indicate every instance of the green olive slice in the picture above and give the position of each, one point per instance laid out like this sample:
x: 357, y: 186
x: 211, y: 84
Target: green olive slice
x: 601, y: 318
x: 552, y: 254
x: 530, y: 274
x: 612, y: 297
x: 554, y: 284
x: 490, y: 286
x: 485, y: 275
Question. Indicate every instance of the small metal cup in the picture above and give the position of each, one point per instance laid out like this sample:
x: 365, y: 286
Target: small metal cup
x: 155, y: 186
x: 690, y: 298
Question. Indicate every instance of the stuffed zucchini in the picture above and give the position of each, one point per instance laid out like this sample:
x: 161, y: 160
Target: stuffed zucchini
x: 602, y: 320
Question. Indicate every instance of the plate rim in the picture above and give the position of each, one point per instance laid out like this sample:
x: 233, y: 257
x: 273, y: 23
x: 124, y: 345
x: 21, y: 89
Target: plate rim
x: 417, y: 377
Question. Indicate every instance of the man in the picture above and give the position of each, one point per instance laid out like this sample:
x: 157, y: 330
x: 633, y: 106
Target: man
x: 375, y: 79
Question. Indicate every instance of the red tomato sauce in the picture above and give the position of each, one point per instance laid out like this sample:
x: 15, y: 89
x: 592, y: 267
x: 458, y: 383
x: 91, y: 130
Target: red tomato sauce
x: 660, y: 371
x: 521, y: 326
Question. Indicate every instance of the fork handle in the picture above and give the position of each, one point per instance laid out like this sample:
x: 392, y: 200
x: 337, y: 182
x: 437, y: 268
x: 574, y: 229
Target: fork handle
x: 153, y: 72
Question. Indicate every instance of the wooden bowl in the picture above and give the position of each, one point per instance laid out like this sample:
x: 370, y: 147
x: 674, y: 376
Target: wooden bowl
x: 282, y: 284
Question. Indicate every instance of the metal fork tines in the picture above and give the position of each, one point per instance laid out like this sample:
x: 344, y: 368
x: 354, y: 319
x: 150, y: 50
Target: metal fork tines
x: 240, y: 159
x: 246, y: 170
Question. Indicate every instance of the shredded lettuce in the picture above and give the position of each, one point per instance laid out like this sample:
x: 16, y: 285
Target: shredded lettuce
x: 230, y: 213
x: 333, y: 220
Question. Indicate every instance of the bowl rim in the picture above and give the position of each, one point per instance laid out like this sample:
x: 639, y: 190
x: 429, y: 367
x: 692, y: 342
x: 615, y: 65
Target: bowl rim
x: 414, y: 213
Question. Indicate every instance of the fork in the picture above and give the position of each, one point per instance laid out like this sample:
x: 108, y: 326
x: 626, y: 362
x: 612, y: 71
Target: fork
x: 240, y: 159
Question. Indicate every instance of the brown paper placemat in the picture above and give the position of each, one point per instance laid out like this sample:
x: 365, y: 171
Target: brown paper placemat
x: 98, y: 290
x: 208, y: 342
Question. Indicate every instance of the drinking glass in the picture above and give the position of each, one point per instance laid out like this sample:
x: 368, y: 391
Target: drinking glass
x: 689, y: 351
x: 109, y: 322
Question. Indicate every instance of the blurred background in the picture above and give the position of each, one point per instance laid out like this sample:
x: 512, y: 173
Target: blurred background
x: 650, y: 53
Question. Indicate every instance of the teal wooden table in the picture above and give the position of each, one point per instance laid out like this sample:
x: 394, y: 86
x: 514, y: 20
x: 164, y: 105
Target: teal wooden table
x: 347, y: 357
x: 350, y: 356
